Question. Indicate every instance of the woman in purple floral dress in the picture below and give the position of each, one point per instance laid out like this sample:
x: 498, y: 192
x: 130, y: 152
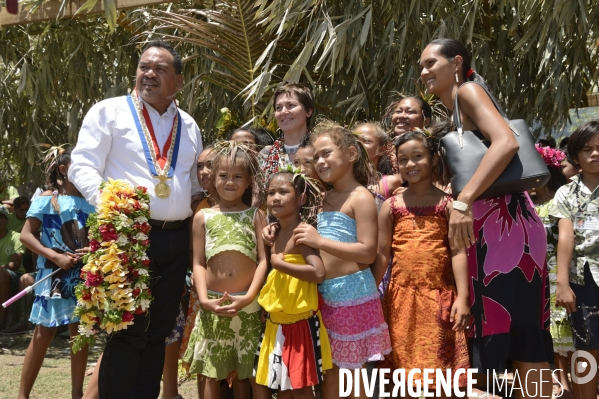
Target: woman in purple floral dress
x: 509, y: 291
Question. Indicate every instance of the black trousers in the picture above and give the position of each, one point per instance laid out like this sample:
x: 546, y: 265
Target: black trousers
x: 132, y: 363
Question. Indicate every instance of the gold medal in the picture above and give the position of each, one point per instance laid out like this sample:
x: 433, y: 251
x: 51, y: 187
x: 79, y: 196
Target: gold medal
x: 162, y: 189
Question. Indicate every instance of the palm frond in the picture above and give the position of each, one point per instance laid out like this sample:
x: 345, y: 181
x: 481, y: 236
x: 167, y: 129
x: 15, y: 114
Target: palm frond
x: 228, y: 37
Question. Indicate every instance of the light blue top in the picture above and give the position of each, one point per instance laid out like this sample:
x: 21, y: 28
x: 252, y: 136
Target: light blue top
x: 63, y: 231
x: 337, y: 226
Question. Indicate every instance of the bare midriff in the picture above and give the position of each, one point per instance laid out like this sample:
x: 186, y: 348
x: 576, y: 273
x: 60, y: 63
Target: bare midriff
x: 230, y: 271
x: 336, y: 267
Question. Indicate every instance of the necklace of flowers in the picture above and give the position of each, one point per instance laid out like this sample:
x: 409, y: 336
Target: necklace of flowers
x: 115, y: 275
x: 274, y: 155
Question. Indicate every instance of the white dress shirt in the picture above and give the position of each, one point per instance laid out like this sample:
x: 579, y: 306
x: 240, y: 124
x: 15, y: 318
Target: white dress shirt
x: 109, y: 146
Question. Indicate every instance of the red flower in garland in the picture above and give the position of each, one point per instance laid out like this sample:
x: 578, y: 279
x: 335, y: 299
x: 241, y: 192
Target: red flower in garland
x: 108, y: 232
x: 86, y: 295
x: 127, y: 316
x: 94, y: 245
x: 93, y: 280
x: 145, y: 228
x: 124, y: 258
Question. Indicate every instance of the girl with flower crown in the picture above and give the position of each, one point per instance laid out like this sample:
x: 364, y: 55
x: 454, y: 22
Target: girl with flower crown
x: 62, y: 218
x: 561, y: 332
x: 295, y: 349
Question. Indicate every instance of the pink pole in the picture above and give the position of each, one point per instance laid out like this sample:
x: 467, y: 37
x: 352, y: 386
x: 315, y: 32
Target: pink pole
x: 27, y: 290
x: 17, y: 297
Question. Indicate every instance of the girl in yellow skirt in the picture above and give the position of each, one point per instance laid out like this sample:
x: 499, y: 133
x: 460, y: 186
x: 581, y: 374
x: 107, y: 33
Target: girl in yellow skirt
x: 295, y: 349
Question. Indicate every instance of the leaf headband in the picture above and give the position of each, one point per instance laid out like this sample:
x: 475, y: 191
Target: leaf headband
x: 312, y: 190
x: 50, y: 156
x: 229, y: 149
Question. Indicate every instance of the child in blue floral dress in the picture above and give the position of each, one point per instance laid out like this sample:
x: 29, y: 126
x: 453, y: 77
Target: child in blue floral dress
x: 62, y: 217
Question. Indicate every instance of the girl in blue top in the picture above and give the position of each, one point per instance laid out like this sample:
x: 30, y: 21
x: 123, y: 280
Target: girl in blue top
x: 62, y: 217
x: 347, y: 240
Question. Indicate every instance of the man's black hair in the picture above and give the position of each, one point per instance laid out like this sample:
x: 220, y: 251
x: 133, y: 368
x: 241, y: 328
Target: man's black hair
x: 170, y: 49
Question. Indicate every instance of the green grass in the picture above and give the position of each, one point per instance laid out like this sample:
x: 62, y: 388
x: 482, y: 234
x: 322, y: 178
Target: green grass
x: 54, y: 379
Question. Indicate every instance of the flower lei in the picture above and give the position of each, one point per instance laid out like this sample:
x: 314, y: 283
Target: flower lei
x: 552, y: 157
x: 274, y: 156
x: 115, y: 276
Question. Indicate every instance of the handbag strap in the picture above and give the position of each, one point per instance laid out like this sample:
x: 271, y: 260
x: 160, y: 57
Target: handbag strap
x: 458, y: 120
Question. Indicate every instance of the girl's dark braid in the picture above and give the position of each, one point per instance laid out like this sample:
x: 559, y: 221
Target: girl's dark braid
x: 53, y: 177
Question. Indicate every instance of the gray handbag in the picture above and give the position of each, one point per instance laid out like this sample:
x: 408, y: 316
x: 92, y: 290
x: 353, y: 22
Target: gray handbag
x: 465, y: 149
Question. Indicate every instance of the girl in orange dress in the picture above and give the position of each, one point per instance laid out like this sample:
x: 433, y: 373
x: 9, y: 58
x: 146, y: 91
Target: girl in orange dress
x: 425, y: 312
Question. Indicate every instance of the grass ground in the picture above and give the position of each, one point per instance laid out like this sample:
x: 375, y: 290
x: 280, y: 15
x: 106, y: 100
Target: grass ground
x: 53, y: 381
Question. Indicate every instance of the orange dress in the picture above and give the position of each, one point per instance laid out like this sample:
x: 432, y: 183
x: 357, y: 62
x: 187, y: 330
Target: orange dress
x: 417, y: 304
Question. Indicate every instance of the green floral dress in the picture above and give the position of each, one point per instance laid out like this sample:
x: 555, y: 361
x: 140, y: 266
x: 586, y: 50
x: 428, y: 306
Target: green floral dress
x: 224, y: 347
x: 559, y: 326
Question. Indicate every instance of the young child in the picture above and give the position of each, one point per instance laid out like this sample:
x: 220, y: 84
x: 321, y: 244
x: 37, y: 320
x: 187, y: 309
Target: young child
x: 575, y: 206
x: 568, y: 167
x: 205, y: 177
x: 376, y: 141
x: 295, y: 349
x: 229, y: 268
x: 304, y: 161
x: 347, y: 240
x: 425, y: 313
x: 62, y: 218
x: 304, y: 158
x: 255, y: 138
x: 561, y: 332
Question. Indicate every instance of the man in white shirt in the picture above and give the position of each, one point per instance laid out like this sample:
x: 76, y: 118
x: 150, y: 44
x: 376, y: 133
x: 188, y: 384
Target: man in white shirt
x: 116, y: 141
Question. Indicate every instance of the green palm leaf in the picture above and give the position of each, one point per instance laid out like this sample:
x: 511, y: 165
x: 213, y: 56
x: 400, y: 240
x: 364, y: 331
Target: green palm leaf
x: 229, y: 38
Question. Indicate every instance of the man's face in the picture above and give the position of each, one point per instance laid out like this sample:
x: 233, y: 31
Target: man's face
x: 156, y: 79
x: 3, y: 222
x: 21, y: 211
